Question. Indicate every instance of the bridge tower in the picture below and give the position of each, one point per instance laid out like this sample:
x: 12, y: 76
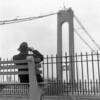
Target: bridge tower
x: 62, y: 17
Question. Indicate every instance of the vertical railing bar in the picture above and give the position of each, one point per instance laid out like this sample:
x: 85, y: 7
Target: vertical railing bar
x: 8, y: 75
x: 47, y: 69
x: 3, y: 71
x: 7, y: 70
x: 58, y: 81
x: 85, y: 89
x: 57, y: 72
x: 42, y: 72
x: 71, y: 73
x: 43, y: 69
x: 77, y: 73
x: 98, y: 68
x: 61, y: 82
x: 52, y: 66
x: 64, y: 86
x: 61, y: 68
x: 91, y: 85
x: 56, y: 68
x: 87, y: 71
x: 66, y: 82
x: 23, y: 88
x: 14, y: 74
x: 66, y: 67
x: 20, y: 88
x: 12, y: 89
x: 80, y: 87
x: 93, y: 72
x: 74, y: 81
x: 72, y: 77
x: 14, y: 79
x: 11, y: 76
x: 82, y: 72
x: 96, y: 86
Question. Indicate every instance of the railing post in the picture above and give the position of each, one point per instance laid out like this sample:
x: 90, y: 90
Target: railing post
x: 34, y: 90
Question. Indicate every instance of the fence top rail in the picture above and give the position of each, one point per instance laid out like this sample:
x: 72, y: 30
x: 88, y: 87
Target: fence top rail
x: 76, y: 54
x: 14, y: 73
x: 13, y: 62
x: 50, y: 57
x: 13, y: 83
x: 13, y: 67
x: 16, y: 61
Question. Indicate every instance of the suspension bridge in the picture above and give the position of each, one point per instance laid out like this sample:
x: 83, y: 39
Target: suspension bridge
x: 18, y: 20
x: 79, y: 80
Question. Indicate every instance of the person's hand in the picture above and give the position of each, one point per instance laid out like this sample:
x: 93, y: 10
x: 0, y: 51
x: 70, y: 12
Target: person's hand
x: 30, y: 48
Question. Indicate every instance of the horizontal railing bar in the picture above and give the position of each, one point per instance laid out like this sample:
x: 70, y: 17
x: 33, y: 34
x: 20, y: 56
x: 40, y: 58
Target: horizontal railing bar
x: 13, y: 67
x: 14, y: 73
x: 71, y: 61
x: 78, y: 55
x: 13, y: 83
x: 15, y: 61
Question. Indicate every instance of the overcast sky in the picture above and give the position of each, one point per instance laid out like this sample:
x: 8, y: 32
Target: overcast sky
x: 42, y: 33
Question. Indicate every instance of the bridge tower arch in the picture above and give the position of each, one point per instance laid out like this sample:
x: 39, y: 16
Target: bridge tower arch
x: 62, y: 17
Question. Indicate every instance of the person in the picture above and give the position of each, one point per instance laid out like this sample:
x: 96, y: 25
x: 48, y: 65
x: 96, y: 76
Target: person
x: 24, y: 52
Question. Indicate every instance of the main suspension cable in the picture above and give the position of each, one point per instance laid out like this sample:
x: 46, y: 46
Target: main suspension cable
x: 83, y: 40
x: 84, y: 29
x: 16, y: 20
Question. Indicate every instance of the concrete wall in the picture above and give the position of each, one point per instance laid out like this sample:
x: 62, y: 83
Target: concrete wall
x: 52, y: 98
x: 13, y: 98
x: 72, y: 98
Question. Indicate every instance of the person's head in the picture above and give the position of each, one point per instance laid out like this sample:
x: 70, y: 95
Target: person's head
x: 23, y: 48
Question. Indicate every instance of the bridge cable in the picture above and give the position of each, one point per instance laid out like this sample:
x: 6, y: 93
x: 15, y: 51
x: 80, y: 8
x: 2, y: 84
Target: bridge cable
x: 84, y: 29
x: 16, y: 20
x: 83, y: 40
x: 42, y: 16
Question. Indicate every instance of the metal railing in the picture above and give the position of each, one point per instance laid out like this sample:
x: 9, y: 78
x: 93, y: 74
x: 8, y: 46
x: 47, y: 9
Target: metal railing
x: 87, y: 74
x: 86, y: 82
x: 9, y: 82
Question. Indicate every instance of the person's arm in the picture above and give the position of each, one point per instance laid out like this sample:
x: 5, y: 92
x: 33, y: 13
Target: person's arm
x: 37, y: 55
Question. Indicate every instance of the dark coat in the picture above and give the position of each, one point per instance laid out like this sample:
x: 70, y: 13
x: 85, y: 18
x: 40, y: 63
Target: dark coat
x: 38, y: 56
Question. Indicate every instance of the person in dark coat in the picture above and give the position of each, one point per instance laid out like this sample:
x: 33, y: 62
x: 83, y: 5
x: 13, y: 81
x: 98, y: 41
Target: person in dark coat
x: 24, y: 52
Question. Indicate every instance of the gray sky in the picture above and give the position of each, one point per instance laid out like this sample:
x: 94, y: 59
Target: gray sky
x: 41, y: 34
